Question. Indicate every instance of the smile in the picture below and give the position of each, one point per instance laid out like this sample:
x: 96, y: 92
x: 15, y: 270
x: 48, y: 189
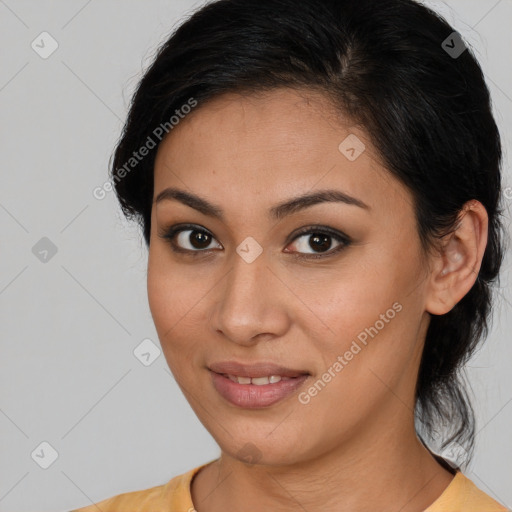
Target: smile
x: 257, y: 381
x: 256, y: 392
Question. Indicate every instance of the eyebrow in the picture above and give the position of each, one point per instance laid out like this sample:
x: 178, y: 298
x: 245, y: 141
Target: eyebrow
x: 276, y: 212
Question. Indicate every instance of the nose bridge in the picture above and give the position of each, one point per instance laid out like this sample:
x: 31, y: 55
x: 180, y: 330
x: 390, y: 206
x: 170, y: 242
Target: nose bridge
x: 248, y: 267
x: 244, y: 309
x: 245, y: 279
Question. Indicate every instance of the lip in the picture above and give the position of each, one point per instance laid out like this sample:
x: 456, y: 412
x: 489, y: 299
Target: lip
x: 262, y: 369
x: 252, y: 396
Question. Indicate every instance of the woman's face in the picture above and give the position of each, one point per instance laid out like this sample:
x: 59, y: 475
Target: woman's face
x: 246, y: 287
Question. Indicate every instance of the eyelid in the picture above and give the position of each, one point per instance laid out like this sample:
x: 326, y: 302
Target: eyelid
x: 344, y: 241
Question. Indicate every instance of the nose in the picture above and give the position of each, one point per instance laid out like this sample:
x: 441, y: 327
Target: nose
x: 251, y: 303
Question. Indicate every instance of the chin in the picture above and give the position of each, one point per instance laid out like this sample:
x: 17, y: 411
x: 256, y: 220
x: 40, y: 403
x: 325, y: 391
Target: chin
x: 278, y: 449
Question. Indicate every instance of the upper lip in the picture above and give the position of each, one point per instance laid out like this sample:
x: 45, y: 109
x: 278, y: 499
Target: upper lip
x: 263, y: 369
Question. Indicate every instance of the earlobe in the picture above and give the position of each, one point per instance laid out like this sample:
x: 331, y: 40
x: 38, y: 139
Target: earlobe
x: 456, y: 267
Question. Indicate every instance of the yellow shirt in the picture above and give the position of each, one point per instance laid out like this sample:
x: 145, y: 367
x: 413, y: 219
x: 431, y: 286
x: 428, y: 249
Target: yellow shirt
x: 461, y: 495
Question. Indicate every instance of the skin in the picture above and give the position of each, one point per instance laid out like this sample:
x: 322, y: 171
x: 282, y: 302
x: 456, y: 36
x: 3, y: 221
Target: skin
x: 353, y: 446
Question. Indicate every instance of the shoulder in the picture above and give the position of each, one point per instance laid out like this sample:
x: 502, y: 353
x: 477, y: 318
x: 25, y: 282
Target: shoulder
x: 138, y: 499
x: 462, y: 495
x: 172, y: 496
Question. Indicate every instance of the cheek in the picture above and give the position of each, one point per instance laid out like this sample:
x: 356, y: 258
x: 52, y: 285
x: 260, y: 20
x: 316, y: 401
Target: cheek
x: 368, y: 356
x: 159, y: 297
x: 371, y: 315
x: 348, y: 300
x: 180, y: 299
x: 169, y: 290
x: 174, y: 298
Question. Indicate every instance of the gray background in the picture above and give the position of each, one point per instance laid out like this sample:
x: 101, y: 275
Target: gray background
x: 69, y: 325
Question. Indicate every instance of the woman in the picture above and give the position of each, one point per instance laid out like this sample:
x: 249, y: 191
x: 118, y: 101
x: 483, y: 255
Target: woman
x: 318, y: 184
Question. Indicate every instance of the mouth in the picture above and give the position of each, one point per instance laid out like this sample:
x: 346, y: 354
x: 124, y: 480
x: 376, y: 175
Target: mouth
x: 255, y: 385
x: 257, y: 381
x: 255, y: 371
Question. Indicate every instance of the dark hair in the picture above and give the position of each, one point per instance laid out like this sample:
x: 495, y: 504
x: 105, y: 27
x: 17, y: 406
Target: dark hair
x: 426, y: 109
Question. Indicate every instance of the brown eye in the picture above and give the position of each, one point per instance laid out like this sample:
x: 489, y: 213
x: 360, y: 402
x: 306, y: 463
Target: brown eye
x: 189, y: 239
x: 197, y: 239
x: 319, y: 241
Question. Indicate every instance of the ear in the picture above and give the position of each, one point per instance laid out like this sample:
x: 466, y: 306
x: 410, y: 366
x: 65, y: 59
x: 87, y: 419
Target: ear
x: 455, y: 268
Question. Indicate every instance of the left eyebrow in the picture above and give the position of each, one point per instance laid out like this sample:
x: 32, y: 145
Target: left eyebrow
x: 276, y: 212
x: 305, y: 201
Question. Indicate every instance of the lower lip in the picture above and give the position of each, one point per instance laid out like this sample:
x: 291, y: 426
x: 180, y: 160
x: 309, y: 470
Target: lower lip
x: 251, y: 396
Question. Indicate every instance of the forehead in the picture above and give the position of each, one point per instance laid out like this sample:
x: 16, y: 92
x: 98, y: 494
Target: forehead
x: 273, y: 144
x: 282, y: 119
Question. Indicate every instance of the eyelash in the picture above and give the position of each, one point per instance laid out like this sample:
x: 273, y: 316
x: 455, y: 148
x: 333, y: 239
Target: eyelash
x: 170, y: 234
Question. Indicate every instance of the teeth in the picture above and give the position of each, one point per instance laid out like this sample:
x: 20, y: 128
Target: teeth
x: 258, y: 381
